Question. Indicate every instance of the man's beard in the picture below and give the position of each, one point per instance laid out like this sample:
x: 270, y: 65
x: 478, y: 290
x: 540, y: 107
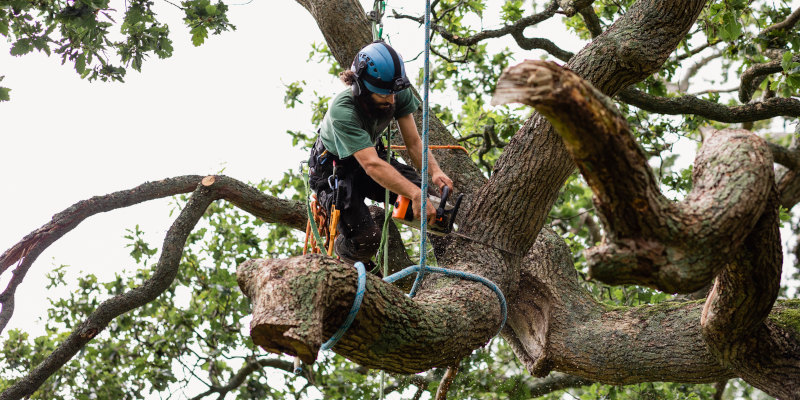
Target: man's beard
x: 379, y: 111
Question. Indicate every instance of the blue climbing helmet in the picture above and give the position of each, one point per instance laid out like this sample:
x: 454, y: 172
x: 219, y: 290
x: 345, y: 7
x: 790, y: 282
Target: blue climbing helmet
x: 379, y: 69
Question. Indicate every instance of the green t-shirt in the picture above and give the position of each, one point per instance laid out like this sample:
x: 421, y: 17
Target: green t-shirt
x: 346, y: 129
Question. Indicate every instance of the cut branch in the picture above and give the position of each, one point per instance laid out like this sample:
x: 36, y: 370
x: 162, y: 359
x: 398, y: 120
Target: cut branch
x: 773, y: 107
x: 652, y: 241
x: 299, y: 303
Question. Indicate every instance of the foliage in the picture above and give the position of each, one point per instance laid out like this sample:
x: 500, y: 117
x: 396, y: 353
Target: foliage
x: 82, y: 32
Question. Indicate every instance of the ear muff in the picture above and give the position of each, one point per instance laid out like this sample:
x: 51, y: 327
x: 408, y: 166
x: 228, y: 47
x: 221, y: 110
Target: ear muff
x: 359, y: 70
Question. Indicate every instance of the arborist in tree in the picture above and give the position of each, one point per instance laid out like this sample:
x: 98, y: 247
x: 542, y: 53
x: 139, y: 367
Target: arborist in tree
x: 348, y: 161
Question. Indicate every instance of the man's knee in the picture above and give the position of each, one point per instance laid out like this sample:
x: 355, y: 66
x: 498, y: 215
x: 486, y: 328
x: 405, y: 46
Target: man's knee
x: 361, y: 246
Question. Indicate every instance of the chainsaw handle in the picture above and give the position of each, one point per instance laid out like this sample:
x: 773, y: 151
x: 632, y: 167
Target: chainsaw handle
x: 445, y: 194
x: 443, y: 202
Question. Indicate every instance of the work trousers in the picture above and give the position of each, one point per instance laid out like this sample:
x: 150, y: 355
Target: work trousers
x: 360, y: 235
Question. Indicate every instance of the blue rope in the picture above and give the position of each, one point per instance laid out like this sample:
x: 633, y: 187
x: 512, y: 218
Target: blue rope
x: 459, y: 274
x: 362, y: 278
x: 425, y: 110
x: 362, y: 284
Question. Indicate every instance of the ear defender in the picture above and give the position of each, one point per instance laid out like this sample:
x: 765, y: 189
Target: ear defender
x: 359, y: 71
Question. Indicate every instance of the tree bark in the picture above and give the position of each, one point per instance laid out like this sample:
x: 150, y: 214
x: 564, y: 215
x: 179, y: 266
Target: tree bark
x: 727, y: 227
x: 500, y: 229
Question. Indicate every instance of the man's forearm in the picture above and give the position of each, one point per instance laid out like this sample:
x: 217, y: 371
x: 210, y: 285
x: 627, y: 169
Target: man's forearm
x: 388, y: 177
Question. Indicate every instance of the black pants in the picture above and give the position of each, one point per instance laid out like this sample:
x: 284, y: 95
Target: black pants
x: 361, y: 235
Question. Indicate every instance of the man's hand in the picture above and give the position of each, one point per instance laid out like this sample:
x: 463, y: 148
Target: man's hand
x: 440, y: 180
x: 415, y: 203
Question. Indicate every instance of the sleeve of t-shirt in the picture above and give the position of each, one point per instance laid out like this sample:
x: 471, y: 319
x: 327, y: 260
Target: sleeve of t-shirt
x: 349, y: 137
x: 405, y: 103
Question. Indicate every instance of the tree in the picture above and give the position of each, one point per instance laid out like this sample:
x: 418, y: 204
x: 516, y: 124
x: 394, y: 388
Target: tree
x: 720, y: 243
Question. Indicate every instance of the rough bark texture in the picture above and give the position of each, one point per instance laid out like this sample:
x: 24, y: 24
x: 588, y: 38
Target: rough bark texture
x: 299, y: 303
x: 727, y: 227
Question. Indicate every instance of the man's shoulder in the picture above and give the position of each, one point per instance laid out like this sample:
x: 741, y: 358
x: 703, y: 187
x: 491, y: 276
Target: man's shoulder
x: 344, y: 100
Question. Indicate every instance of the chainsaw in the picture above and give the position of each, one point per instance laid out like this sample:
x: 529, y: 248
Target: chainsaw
x: 441, y: 225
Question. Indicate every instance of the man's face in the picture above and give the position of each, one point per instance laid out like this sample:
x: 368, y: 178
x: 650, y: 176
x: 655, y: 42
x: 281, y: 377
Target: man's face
x: 380, y: 106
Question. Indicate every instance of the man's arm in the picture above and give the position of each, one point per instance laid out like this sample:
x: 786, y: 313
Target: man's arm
x: 388, y: 177
x: 414, y: 145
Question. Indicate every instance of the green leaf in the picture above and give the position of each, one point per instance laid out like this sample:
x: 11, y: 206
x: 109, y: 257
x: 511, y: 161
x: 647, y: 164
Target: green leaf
x: 21, y: 47
x: 4, y: 94
x: 786, y: 61
x: 793, y: 81
x: 199, y: 35
x: 211, y: 9
x: 731, y: 28
x: 80, y: 64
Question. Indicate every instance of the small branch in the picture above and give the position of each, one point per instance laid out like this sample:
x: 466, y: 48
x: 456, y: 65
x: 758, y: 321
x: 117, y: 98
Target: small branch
x: 520, y: 25
x: 447, y: 380
x: 249, y: 367
x: 683, y: 85
x: 712, y: 91
x: 694, y: 52
x: 719, y: 388
x: 556, y: 381
x: 542, y: 44
x: 592, y: 21
x: 750, y: 77
x: 773, y: 107
x: 571, y: 7
x: 786, y: 24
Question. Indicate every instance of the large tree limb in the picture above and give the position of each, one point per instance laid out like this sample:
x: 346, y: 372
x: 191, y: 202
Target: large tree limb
x: 557, y: 325
x: 268, y: 208
x: 537, y: 153
x: 299, y: 303
x: 652, y: 241
x: 27, y: 250
x: 687, y: 104
x: 727, y: 223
